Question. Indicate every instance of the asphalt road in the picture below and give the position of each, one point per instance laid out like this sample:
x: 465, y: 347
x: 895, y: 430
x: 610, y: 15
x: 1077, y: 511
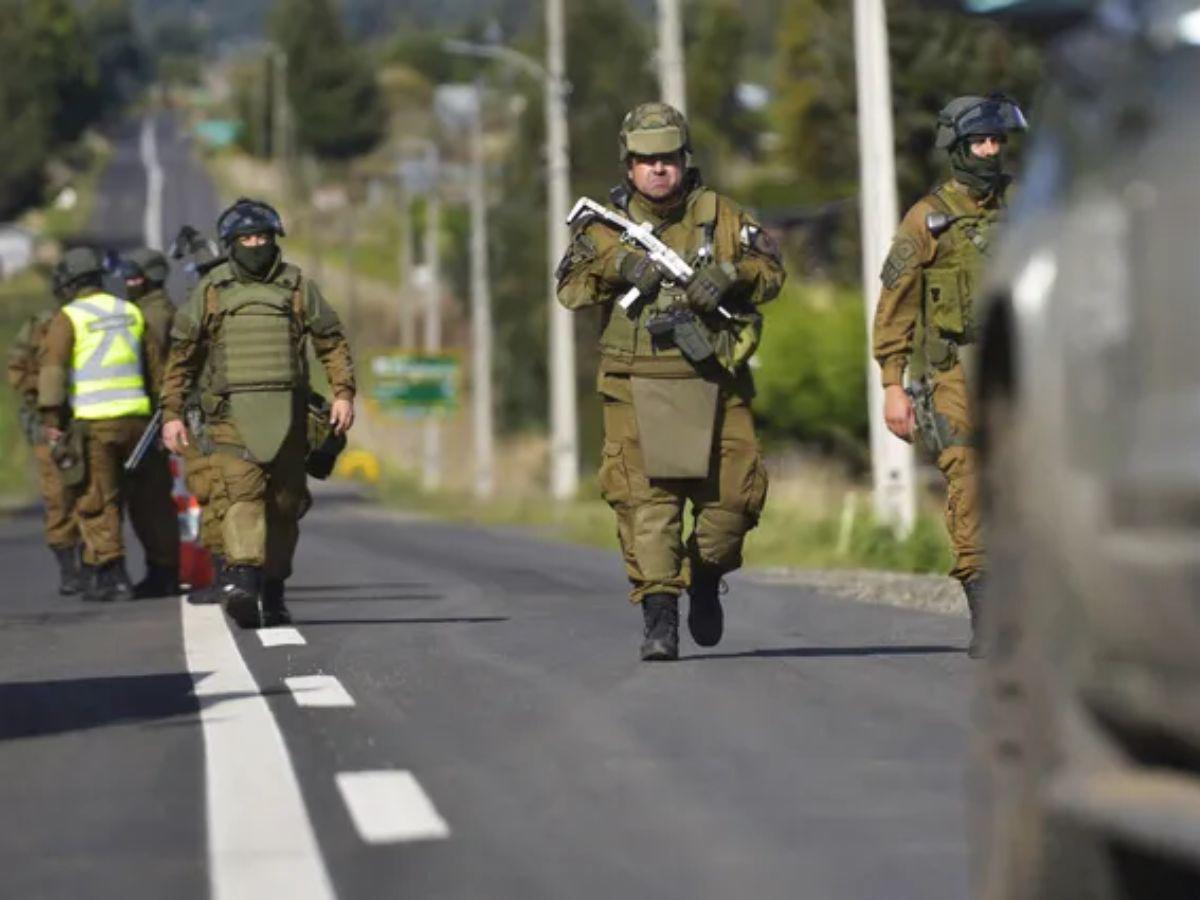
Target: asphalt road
x: 459, y: 712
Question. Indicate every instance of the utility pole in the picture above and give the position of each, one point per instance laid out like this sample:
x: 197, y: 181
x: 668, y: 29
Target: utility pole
x: 564, y: 414
x: 672, y: 69
x: 431, y: 467
x: 281, y: 124
x: 404, y: 265
x: 891, y: 458
x: 481, y: 314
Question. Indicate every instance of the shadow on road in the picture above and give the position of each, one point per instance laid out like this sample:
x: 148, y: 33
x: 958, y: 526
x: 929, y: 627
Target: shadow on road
x: 39, y: 708
x: 355, y: 598
x: 459, y: 620
x: 828, y: 652
x: 373, y: 586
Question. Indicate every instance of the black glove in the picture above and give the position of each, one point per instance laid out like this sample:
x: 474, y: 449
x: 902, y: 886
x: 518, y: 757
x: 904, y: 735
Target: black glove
x: 636, y: 270
x: 708, y: 287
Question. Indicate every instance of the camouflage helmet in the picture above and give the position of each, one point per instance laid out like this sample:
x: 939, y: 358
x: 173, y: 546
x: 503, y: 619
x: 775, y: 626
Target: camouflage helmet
x: 651, y: 129
x: 76, y: 265
x: 150, y: 264
x: 974, y: 116
x: 248, y: 216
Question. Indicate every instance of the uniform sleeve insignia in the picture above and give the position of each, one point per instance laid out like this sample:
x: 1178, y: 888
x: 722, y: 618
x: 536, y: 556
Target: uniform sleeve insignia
x: 900, y: 260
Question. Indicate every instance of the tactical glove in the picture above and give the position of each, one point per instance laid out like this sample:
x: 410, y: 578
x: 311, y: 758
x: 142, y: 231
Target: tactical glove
x: 636, y: 270
x: 708, y: 287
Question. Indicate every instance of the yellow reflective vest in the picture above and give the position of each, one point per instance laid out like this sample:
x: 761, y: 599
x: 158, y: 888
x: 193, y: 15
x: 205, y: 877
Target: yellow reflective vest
x: 107, y: 381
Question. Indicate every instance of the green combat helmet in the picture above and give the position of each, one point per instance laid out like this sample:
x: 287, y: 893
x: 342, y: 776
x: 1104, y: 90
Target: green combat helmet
x: 972, y: 116
x: 150, y: 264
x: 78, y: 265
x: 651, y: 129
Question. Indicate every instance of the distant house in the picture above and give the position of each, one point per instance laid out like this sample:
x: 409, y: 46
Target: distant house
x: 16, y: 249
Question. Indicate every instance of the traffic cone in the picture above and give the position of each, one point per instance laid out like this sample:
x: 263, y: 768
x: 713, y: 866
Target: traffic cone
x: 195, y: 562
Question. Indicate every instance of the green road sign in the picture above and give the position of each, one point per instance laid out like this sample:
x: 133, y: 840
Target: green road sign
x: 415, y: 384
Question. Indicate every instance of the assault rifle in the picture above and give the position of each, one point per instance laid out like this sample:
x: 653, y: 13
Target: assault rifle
x: 673, y: 266
x: 145, y: 442
x: 920, y: 392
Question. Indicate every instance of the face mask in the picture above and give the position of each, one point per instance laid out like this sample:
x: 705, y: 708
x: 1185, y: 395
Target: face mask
x: 136, y: 291
x: 257, y: 261
x: 983, y: 175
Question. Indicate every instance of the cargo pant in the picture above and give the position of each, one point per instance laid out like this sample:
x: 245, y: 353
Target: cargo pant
x: 725, y: 506
x: 99, y: 502
x: 960, y: 466
x: 265, y: 501
x: 152, y: 510
x: 205, y: 484
x: 60, y: 527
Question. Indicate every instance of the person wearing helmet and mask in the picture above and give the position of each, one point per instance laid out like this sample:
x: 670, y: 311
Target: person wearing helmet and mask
x: 59, y: 525
x: 925, y: 323
x: 249, y: 321
x: 151, y: 507
x: 98, y: 368
x: 676, y: 430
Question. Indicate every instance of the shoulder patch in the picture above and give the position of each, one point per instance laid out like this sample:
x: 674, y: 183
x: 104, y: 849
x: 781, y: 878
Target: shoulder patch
x: 902, y: 258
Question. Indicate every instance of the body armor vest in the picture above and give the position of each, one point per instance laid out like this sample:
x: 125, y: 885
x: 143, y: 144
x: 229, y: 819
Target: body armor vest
x: 257, y: 345
x: 952, y: 279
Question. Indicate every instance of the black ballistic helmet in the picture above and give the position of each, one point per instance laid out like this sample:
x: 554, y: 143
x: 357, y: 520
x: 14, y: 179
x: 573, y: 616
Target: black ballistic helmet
x: 971, y: 116
x: 248, y: 216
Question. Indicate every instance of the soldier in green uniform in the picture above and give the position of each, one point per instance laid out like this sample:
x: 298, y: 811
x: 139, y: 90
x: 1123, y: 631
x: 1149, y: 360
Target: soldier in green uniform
x: 925, y: 322
x: 250, y: 321
x: 97, y: 370
x: 60, y: 527
x: 151, y: 507
x: 676, y: 429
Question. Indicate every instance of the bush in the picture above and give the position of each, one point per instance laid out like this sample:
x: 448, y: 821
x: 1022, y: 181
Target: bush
x: 812, y: 368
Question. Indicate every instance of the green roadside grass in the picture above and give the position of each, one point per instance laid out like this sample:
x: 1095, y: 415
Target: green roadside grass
x: 20, y: 297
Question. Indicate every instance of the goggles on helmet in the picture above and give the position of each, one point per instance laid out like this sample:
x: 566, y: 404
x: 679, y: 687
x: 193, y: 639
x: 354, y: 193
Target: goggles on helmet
x: 995, y: 116
x: 248, y: 217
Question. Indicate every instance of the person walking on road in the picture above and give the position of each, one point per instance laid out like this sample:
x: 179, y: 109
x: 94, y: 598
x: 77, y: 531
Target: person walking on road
x: 151, y: 506
x: 59, y: 526
x: 925, y: 320
x: 97, y: 370
x: 250, y: 320
x: 677, y: 428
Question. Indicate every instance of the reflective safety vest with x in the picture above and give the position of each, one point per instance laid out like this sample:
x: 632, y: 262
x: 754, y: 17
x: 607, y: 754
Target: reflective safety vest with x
x: 107, y: 381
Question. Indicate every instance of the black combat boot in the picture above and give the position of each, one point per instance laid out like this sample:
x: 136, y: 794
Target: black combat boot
x: 706, y: 619
x: 70, y: 571
x: 109, y: 582
x: 91, y: 590
x: 661, y: 615
x: 239, y: 589
x: 160, y: 581
x: 974, y: 590
x: 274, y: 611
x: 212, y: 593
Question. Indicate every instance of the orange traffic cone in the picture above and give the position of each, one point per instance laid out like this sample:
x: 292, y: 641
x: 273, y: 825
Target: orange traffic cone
x: 195, y: 562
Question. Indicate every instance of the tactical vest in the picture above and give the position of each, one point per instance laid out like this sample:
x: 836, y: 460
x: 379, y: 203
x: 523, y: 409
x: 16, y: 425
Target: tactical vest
x: 707, y: 233
x: 952, y: 279
x: 258, y: 339
x: 106, y: 370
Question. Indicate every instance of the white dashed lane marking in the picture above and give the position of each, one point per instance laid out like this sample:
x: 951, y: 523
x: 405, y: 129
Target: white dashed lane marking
x: 318, y: 690
x: 280, y: 637
x: 390, y: 806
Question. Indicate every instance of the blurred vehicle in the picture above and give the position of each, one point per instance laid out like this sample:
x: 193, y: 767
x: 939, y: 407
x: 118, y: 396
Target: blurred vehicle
x: 1087, y: 776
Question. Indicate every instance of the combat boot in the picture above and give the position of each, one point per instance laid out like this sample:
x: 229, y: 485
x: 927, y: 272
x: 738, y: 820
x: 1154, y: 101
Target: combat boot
x: 91, y: 591
x: 706, y: 619
x: 239, y: 589
x: 974, y: 590
x: 660, y: 613
x: 70, y: 571
x: 212, y: 593
x: 274, y: 611
x: 109, y: 582
x: 160, y: 581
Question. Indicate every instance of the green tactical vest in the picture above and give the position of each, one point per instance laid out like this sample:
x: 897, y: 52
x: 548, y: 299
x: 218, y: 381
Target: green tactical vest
x: 257, y: 343
x: 700, y: 238
x: 952, y: 279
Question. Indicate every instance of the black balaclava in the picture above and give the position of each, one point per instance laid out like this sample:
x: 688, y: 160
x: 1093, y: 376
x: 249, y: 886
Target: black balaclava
x: 983, y: 176
x: 138, y: 291
x: 257, y: 262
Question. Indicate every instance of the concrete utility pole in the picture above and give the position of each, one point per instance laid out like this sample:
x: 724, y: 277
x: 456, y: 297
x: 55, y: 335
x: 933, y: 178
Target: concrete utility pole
x: 404, y: 263
x: 481, y: 314
x: 891, y: 458
x: 672, y: 62
x: 431, y: 468
x: 281, y: 124
x: 564, y: 414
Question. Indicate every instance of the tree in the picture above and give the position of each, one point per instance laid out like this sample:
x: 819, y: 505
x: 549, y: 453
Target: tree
x: 717, y: 49
x: 331, y: 85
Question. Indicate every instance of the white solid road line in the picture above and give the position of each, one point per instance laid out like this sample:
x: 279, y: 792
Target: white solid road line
x: 390, y: 807
x: 280, y: 637
x: 152, y: 221
x: 318, y: 690
x: 260, y: 840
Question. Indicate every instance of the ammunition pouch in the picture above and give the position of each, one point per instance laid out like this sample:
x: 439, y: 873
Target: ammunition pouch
x: 947, y: 301
x: 679, y: 327
x: 324, y: 445
x: 69, y: 454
